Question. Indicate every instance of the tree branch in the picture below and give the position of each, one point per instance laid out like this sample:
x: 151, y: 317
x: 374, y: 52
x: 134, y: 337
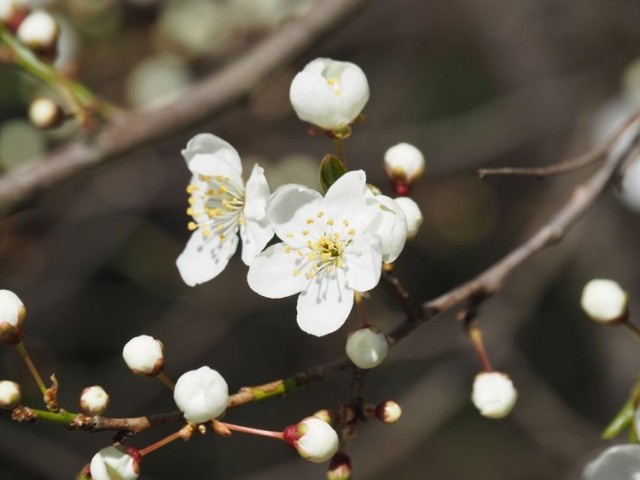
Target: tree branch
x: 128, y: 132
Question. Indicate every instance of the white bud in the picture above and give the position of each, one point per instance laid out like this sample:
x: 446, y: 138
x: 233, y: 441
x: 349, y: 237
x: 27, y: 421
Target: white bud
x: 604, y: 301
x: 313, y: 439
x: 201, y: 394
x: 12, y: 313
x: 389, y: 412
x: 367, y: 347
x: 329, y: 94
x: 94, y: 400
x: 10, y: 395
x: 412, y: 214
x: 9, y: 8
x: 114, y: 463
x: 143, y: 355
x: 404, y: 162
x: 620, y: 462
x: 493, y: 394
x: 39, y: 31
x: 44, y: 113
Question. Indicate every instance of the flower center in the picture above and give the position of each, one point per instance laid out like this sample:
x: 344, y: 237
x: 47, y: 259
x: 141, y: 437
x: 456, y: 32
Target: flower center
x: 215, y: 204
x: 335, y: 85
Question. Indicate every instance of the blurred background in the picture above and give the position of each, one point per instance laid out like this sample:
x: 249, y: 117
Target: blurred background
x: 472, y: 84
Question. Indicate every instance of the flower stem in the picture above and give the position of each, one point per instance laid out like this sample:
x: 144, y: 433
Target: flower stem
x: 32, y: 368
x: 634, y: 329
x: 160, y: 443
x: 362, y: 312
x: 164, y: 379
x: 340, y: 150
x: 476, y: 338
x: 252, y: 431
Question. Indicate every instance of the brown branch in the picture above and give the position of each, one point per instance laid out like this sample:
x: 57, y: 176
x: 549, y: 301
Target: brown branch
x: 129, y: 132
x: 589, y: 158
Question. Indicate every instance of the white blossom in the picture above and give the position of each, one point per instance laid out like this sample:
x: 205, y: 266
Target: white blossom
x: 620, y: 462
x: 367, y: 347
x: 38, y: 30
x: 493, y: 394
x: 114, y: 463
x: 94, y: 400
x: 604, y: 301
x: 412, y: 215
x: 314, y: 439
x: 389, y: 412
x: 44, y: 113
x: 329, y: 250
x: 221, y: 204
x: 201, y: 394
x: 10, y: 394
x: 12, y: 314
x: 329, y: 94
x: 9, y: 8
x: 404, y: 162
x: 143, y: 355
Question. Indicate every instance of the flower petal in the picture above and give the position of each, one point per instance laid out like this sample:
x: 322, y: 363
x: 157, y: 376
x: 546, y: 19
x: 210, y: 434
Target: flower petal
x: 349, y: 204
x: 315, y: 101
x: 256, y: 194
x: 207, y: 154
x: 204, y: 258
x: 363, y: 262
x: 277, y: 272
x: 325, y: 303
x: 392, y: 228
x: 354, y: 92
x: 292, y: 211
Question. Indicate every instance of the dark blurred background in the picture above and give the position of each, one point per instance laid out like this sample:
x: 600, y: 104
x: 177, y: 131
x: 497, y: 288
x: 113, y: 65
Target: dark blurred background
x: 472, y: 84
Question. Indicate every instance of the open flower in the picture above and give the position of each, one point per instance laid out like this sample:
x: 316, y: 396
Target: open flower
x: 328, y: 251
x: 221, y: 204
x: 329, y: 94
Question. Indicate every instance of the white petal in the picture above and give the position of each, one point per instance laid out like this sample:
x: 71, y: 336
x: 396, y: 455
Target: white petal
x: 392, y: 228
x: 325, y: 303
x: 203, y: 259
x: 363, y: 262
x: 277, y: 272
x: 208, y: 154
x: 315, y: 101
x: 256, y: 194
x: 289, y: 210
x: 348, y: 203
x: 255, y: 235
x: 354, y: 92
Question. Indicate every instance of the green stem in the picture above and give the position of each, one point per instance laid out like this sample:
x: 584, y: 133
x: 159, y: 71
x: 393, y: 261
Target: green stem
x: 32, y: 368
x: 340, y: 150
x: 79, y: 96
x: 61, y: 416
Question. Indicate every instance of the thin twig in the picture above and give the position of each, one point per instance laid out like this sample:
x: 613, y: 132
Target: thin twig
x: 129, y: 132
x: 589, y: 158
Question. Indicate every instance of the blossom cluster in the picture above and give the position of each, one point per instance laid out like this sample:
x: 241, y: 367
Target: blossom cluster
x: 330, y: 246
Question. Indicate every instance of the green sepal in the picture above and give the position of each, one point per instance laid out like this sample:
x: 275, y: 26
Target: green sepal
x: 622, y: 420
x: 331, y: 169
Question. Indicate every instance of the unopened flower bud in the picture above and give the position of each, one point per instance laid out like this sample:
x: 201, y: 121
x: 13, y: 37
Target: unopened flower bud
x: 39, y: 31
x: 367, y: 347
x: 620, y: 462
x: 604, y: 301
x: 44, y: 113
x: 326, y: 416
x: 412, y: 215
x: 493, y: 394
x: 340, y: 467
x: 94, y: 400
x: 114, y: 463
x: 201, y: 394
x: 12, y: 313
x: 143, y: 355
x: 329, y: 94
x: 10, y: 395
x: 12, y: 11
x: 389, y: 412
x: 313, y: 439
x: 403, y: 163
